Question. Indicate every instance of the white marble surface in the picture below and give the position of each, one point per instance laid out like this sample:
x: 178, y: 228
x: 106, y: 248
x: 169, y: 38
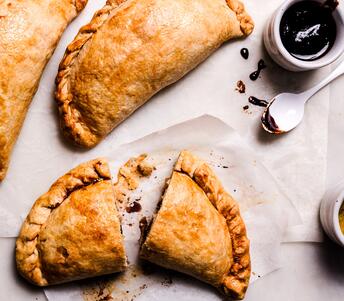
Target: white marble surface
x: 311, y: 272
x: 41, y: 154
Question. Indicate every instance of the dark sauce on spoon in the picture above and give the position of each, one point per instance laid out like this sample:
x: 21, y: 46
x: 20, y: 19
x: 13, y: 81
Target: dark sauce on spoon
x: 261, y: 65
x: 308, y: 29
x: 244, y: 53
x: 270, y: 124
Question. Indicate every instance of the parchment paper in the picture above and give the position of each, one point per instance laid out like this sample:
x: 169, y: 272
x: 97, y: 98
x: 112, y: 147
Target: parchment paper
x: 297, y: 160
x: 266, y: 211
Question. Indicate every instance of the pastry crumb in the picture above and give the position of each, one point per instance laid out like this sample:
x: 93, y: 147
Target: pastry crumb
x: 143, y: 225
x: 129, y: 176
x: 145, y: 169
x: 106, y: 298
x: 144, y: 286
x: 98, y: 291
x: 167, y: 281
x: 133, y: 207
x: 241, y: 87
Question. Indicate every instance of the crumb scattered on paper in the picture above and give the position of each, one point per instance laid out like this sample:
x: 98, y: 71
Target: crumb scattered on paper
x: 129, y: 176
x: 120, y: 287
x: 167, y: 281
x: 241, y: 87
x: 145, y: 169
x: 133, y: 207
x: 99, y: 291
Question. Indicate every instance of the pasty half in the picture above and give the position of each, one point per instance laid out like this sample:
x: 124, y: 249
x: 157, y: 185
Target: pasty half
x: 73, y: 231
x: 198, y: 230
x: 29, y: 31
x: 131, y: 50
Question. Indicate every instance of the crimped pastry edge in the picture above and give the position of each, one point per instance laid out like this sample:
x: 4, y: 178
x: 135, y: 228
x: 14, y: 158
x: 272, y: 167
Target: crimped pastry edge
x: 6, y: 147
x: 246, y: 22
x: 70, y: 118
x: 79, y: 4
x: 236, y: 282
x: 27, y: 255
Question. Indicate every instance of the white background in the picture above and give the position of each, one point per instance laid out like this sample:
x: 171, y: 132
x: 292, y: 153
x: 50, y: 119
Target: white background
x: 312, y: 271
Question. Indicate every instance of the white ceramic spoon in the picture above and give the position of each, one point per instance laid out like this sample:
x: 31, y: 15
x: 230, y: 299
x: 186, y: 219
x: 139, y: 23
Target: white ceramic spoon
x: 286, y: 110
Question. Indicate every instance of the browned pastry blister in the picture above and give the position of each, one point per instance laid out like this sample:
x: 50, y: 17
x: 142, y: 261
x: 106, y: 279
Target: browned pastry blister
x: 29, y: 32
x: 198, y: 230
x: 73, y: 231
x: 132, y: 49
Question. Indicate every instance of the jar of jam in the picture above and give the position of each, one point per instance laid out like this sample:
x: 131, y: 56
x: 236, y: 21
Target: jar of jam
x: 305, y: 34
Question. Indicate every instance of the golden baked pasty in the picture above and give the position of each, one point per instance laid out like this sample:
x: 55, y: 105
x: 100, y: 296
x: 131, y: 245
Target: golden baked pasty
x: 198, y: 230
x: 131, y: 50
x: 29, y: 31
x: 73, y: 231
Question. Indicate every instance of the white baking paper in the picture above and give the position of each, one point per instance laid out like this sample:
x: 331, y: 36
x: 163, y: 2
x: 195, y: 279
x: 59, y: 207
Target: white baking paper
x: 266, y: 210
x: 297, y: 160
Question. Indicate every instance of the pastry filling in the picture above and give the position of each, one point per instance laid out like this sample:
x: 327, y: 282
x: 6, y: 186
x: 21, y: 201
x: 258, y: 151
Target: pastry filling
x: 146, y: 225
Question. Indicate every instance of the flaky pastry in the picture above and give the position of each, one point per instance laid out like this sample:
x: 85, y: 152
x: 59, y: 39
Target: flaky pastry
x: 73, y: 231
x: 131, y: 50
x: 29, y: 32
x: 198, y: 230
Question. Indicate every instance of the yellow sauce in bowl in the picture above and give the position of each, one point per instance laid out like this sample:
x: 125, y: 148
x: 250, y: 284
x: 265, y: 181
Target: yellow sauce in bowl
x: 341, y: 217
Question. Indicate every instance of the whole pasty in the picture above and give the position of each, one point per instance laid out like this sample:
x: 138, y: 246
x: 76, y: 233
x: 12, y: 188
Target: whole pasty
x: 73, y: 231
x: 130, y: 51
x: 198, y: 230
x: 29, y: 31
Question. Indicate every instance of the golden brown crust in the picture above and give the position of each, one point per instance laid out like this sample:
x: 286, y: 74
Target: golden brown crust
x: 29, y: 34
x: 246, y: 22
x: 54, y: 244
x: 188, y: 234
x: 198, y: 230
x: 236, y: 282
x: 128, y: 178
x: 80, y: 4
x: 71, y: 121
x: 78, y: 124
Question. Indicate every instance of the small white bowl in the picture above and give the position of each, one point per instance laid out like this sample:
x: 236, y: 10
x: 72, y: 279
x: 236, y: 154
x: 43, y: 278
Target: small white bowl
x: 275, y: 48
x: 329, y: 212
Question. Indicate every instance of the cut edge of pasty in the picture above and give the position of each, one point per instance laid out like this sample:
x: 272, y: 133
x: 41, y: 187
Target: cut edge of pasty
x: 73, y: 231
x: 186, y: 235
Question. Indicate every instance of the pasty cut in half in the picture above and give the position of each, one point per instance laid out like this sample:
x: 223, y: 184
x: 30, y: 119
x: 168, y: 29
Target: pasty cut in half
x: 73, y: 231
x: 198, y: 230
x: 131, y: 50
x: 29, y: 32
